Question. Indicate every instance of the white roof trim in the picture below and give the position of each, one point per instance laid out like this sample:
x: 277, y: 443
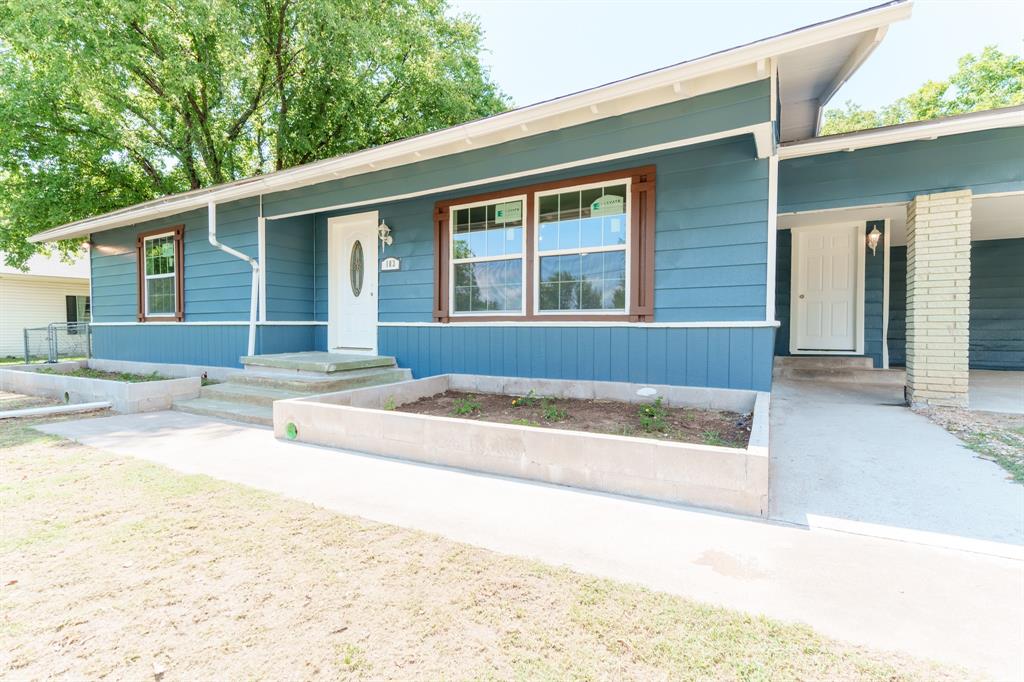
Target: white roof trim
x: 907, y: 132
x: 501, y: 127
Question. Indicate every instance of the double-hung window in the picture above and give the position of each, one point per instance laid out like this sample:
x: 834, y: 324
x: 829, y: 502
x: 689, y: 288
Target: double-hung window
x: 487, y: 257
x: 568, y: 250
x: 160, y: 270
x: 582, y: 241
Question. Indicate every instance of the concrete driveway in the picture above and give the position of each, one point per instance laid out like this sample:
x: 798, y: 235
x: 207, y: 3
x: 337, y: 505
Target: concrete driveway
x: 852, y: 457
x: 954, y: 606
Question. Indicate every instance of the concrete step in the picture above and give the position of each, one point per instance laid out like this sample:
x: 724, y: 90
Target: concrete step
x: 221, y: 409
x: 889, y: 377
x: 247, y: 393
x: 824, y: 362
x: 316, y: 362
x: 310, y: 385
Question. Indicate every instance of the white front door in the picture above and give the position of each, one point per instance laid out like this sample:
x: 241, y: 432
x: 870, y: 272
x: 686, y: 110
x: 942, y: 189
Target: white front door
x: 828, y: 268
x: 352, y: 283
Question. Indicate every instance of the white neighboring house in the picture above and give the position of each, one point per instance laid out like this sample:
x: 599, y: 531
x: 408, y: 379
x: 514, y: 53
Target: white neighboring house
x: 50, y: 291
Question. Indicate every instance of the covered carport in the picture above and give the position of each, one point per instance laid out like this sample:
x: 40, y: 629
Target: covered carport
x: 943, y: 287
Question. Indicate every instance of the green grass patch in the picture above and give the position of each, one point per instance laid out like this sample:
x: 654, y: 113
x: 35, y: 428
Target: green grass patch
x: 89, y: 373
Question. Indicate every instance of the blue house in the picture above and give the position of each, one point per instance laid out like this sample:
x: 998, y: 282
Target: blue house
x: 684, y: 226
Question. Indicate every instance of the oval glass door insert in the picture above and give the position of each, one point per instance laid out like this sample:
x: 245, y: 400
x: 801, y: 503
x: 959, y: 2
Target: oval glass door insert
x: 355, y: 268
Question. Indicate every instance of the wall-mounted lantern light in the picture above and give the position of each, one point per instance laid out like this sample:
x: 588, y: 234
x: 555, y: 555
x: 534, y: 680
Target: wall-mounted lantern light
x: 384, y: 233
x: 873, y: 236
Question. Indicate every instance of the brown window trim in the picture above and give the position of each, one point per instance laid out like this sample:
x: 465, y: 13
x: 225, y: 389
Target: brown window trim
x: 640, y: 307
x: 178, y: 231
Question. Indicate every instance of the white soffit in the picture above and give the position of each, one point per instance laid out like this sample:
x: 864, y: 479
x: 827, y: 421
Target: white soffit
x: 810, y: 47
x: 997, y: 216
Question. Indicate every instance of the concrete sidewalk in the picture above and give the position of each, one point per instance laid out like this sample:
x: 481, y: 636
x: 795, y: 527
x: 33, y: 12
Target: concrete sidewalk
x: 952, y: 606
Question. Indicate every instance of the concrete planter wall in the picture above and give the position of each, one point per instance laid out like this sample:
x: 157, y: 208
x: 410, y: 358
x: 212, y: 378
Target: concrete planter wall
x: 728, y: 479
x: 123, y: 396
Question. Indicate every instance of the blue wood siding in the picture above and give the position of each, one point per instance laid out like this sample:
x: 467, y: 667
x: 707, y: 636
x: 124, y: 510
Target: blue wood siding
x: 985, y: 162
x: 898, y: 306
x: 711, y: 238
x: 717, y: 111
x: 997, y: 305
x: 289, y: 268
x: 874, y: 283
x: 208, y: 345
x: 217, y: 286
x: 719, y: 357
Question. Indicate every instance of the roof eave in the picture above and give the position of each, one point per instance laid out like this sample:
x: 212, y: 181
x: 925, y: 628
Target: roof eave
x: 427, y: 145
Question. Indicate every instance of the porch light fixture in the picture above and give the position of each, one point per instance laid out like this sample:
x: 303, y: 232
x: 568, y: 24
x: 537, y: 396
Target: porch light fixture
x: 384, y: 233
x: 873, y: 236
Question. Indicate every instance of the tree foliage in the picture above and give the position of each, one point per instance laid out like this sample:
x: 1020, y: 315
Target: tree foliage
x: 106, y: 103
x: 990, y: 80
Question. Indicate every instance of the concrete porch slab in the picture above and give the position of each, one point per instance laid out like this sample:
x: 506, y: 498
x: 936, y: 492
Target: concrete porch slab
x: 853, y: 457
x: 952, y: 606
x: 996, y: 391
x: 317, y: 361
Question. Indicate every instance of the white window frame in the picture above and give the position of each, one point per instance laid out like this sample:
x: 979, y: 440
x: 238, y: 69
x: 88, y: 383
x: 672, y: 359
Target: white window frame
x: 628, y: 214
x: 146, y: 276
x: 452, y: 260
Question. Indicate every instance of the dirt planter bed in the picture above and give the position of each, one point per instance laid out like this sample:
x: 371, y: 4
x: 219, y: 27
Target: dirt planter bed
x: 123, y: 396
x: 370, y: 420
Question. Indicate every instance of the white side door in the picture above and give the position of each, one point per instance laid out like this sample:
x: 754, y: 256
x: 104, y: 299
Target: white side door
x: 827, y: 269
x: 352, y: 283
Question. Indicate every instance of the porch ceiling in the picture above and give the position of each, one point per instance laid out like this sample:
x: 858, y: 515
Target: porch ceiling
x: 993, y: 217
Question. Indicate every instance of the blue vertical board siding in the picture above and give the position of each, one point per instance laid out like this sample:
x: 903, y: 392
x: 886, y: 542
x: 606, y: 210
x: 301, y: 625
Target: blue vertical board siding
x: 719, y: 357
x: 874, y: 283
x: 897, y: 306
x: 783, y: 288
x: 986, y: 161
x: 874, y: 286
x: 288, y: 268
x: 211, y: 345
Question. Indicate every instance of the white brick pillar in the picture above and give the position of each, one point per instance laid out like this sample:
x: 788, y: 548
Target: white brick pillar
x: 938, y: 298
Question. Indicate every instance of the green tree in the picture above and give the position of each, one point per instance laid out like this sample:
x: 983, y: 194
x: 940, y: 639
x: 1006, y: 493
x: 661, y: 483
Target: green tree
x: 105, y: 103
x: 990, y: 80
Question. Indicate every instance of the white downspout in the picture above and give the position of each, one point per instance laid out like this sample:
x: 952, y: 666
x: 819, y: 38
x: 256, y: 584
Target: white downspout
x: 253, y: 303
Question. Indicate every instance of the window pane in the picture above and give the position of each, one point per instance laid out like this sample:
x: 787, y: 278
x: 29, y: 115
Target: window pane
x: 569, y: 205
x: 549, y: 208
x: 547, y: 240
x: 491, y: 230
x: 159, y: 255
x: 569, y: 234
x: 590, y: 232
x: 160, y: 296
x: 613, y: 230
x: 589, y: 281
x: 489, y: 286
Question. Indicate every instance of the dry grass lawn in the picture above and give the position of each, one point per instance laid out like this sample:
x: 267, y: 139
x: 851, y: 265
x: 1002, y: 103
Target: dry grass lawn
x: 121, y: 569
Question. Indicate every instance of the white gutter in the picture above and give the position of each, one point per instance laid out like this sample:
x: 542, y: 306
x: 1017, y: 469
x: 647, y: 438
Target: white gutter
x: 510, y: 125
x: 254, y: 299
x: 1011, y: 117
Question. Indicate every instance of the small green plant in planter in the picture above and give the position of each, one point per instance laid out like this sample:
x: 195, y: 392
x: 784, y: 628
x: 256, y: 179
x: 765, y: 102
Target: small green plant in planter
x: 389, y: 404
x: 525, y: 422
x: 528, y: 400
x: 712, y: 437
x: 466, y: 406
x: 653, y: 416
x: 552, y: 412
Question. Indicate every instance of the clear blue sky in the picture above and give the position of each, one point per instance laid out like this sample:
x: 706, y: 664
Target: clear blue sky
x: 539, y: 49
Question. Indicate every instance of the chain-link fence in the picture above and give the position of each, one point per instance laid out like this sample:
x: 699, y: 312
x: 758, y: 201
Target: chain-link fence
x: 58, y: 340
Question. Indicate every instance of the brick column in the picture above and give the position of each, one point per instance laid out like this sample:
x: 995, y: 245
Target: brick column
x: 938, y: 298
